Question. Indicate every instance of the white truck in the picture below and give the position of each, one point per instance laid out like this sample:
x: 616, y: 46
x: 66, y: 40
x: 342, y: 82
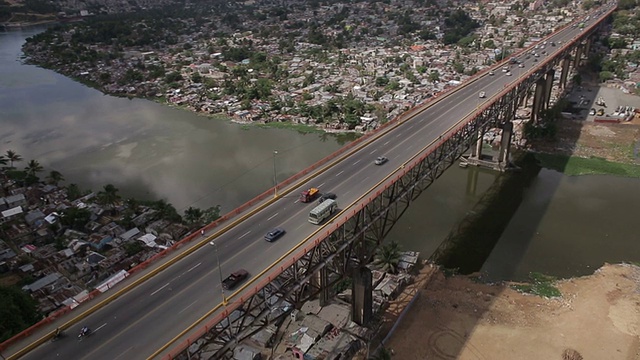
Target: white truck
x: 319, y: 213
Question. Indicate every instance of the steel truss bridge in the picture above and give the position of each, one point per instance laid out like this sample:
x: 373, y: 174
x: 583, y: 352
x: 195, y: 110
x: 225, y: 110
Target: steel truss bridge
x: 352, y: 237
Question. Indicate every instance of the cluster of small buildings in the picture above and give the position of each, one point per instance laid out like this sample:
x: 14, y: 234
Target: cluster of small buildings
x: 418, y: 68
x: 59, y: 264
x: 317, y: 332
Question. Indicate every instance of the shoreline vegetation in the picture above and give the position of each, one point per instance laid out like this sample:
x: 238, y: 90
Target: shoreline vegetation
x: 577, y: 166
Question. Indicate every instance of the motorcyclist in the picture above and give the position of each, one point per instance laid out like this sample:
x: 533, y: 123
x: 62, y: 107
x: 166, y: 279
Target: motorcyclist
x: 57, y: 333
x: 84, y: 331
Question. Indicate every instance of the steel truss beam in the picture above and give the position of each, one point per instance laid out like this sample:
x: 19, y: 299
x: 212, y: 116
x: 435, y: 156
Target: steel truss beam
x: 354, y: 241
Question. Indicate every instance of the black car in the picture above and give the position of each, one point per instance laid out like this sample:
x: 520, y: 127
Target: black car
x: 274, y: 234
x: 234, y: 279
x: 326, y: 196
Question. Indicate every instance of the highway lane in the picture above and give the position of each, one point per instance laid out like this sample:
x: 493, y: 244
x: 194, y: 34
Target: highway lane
x: 141, y: 321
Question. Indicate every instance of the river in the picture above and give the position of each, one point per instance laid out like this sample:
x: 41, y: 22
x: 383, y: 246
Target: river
x: 564, y: 226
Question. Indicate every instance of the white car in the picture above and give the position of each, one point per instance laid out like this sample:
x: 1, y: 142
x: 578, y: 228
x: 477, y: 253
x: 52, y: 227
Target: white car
x: 482, y: 95
x: 508, y: 73
x: 381, y: 160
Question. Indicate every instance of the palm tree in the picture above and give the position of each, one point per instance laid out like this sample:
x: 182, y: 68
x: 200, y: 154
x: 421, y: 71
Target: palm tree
x: 3, y: 160
x: 192, y: 215
x: 55, y: 177
x: 388, y: 257
x: 109, y: 197
x: 73, y: 191
x: 33, y: 167
x: 13, y: 157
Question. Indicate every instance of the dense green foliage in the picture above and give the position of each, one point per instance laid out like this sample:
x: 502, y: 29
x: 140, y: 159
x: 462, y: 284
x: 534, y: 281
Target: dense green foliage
x: 458, y: 24
x: 17, y: 311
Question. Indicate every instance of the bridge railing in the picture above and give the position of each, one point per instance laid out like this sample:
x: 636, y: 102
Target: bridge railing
x: 260, y: 199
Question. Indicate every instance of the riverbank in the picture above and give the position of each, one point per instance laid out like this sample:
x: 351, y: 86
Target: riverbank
x: 458, y: 317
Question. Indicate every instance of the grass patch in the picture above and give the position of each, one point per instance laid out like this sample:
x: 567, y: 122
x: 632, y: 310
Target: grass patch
x: 573, y: 165
x: 540, y: 284
x: 301, y: 128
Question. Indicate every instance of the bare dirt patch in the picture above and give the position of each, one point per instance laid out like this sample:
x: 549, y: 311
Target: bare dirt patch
x: 614, y: 142
x: 597, y: 317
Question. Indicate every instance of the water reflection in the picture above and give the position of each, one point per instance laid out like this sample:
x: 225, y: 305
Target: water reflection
x: 146, y: 149
x: 564, y: 226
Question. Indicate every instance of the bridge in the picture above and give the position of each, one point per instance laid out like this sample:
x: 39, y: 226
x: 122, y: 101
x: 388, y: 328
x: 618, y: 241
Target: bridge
x: 162, y: 311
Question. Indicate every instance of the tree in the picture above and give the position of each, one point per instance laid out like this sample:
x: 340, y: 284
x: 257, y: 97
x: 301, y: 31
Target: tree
x: 388, y: 257
x: 211, y: 214
x: 606, y: 75
x: 73, y: 191
x: 75, y: 218
x: 13, y: 157
x: 55, y: 177
x: 18, y: 311
x: 133, y: 247
x: 3, y: 160
x: 382, y: 81
x: 434, y: 76
x: 167, y: 211
x: 32, y: 168
x: 192, y: 215
x: 109, y: 196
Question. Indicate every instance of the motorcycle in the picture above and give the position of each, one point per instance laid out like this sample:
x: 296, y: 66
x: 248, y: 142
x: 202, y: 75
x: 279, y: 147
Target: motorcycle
x: 84, y: 334
x: 57, y: 336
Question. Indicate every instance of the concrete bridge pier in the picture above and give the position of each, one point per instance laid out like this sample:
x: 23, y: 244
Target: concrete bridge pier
x: 362, y: 296
x: 566, y: 65
x: 322, y: 279
x: 538, y: 99
x: 587, y: 46
x: 548, y: 86
x: 505, y: 146
x: 578, y: 55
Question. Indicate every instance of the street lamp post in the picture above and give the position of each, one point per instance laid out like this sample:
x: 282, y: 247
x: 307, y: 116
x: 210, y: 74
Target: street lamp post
x: 275, y: 177
x: 224, y: 298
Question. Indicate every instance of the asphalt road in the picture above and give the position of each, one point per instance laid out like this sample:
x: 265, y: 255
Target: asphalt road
x: 147, y: 317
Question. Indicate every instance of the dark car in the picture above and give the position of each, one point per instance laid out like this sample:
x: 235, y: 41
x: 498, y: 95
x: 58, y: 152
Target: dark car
x: 274, y: 234
x: 326, y: 196
x: 381, y: 160
x: 234, y: 279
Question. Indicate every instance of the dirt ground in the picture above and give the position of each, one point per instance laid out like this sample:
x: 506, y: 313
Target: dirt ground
x: 585, y: 138
x: 614, y: 142
x: 597, y: 317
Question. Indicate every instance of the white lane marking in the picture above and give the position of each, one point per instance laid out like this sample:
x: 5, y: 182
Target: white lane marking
x: 346, y: 192
x: 188, y: 306
x: 338, y: 174
x: 164, y: 286
x: 272, y: 216
x: 124, y: 352
x: 372, y: 152
x: 357, y: 162
x: 387, y: 142
x: 100, y: 327
x: 296, y: 201
x: 399, y: 134
x: 319, y: 186
x: 247, y: 233
x: 193, y: 267
x: 299, y: 226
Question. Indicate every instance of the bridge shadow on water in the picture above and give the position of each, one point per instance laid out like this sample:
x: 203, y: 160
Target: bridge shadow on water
x: 472, y: 241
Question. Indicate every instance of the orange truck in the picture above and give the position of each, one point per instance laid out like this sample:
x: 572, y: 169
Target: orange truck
x: 308, y: 195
